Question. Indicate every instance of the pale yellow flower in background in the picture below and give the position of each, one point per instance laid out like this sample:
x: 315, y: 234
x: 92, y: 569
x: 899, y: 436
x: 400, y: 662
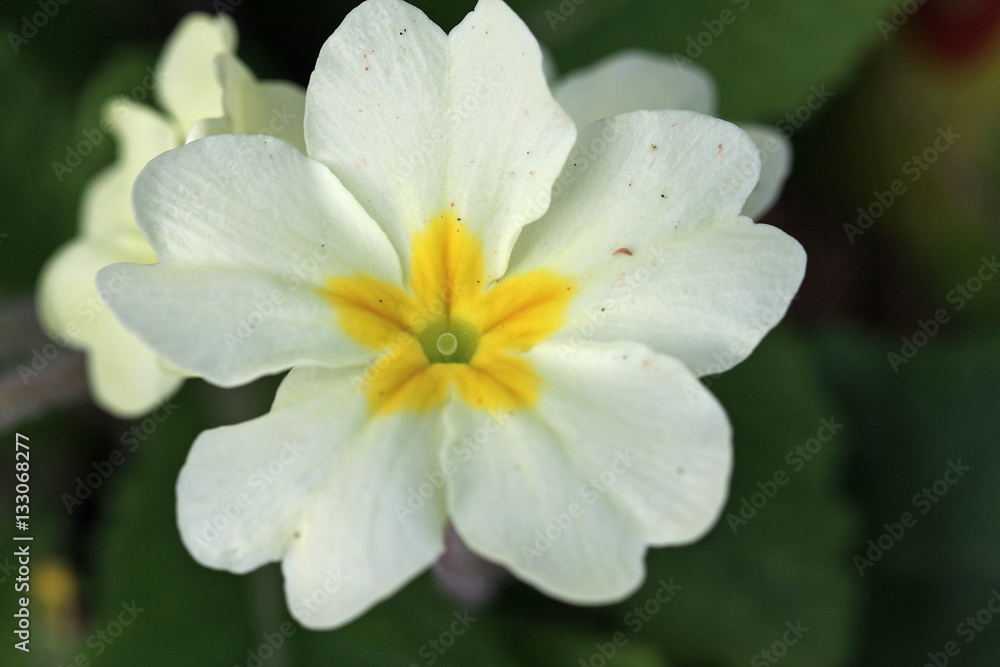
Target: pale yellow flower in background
x: 204, y: 89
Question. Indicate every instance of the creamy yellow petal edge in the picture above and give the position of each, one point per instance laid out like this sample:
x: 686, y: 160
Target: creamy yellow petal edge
x: 450, y: 328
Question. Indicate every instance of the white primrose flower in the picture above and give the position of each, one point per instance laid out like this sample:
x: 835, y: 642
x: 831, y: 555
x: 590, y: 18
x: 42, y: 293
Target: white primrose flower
x: 205, y: 89
x: 632, y: 80
x: 490, y: 318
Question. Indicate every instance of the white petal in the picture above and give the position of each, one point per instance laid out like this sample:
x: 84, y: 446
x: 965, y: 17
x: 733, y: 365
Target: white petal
x: 140, y: 135
x: 276, y: 108
x: 319, y: 484
x: 624, y: 449
x: 639, y: 177
x: 776, y: 165
x: 124, y: 375
x: 230, y: 325
x: 246, y: 229
x: 413, y: 121
x: 188, y: 88
x: 256, y: 201
x: 707, y: 297
x: 656, y: 242
x: 633, y: 81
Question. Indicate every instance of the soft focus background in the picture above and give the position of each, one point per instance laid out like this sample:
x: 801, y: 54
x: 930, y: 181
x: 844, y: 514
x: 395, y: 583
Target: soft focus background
x: 863, y: 88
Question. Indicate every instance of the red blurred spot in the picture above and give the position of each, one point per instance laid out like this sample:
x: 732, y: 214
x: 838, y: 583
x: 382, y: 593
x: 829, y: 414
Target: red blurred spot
x: 957, y: 31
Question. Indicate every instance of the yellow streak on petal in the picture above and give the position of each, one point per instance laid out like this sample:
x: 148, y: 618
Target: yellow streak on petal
x: 523, y: 311
x: 498, y: 380
x: 447, y: 265
x: 371, y: 312
x: 407, y: 381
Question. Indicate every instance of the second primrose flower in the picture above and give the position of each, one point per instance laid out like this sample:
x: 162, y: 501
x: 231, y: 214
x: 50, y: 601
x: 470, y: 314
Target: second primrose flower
x: 523, y: 312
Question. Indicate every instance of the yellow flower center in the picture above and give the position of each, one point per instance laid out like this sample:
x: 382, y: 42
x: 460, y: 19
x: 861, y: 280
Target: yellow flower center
x: 450, y: 329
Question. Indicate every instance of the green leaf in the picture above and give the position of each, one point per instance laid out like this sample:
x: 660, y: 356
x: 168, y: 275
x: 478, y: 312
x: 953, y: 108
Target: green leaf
x: 766, y: 55
x: 190, y: 614
x: 939, y: 409
x: 570, y: 638
x: 415, y: 626
x: 743, y: 591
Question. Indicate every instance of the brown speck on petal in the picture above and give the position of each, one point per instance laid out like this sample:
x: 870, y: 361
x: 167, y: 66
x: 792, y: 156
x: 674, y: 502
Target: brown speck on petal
x: 622, y: 251
x: 720, y: 150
